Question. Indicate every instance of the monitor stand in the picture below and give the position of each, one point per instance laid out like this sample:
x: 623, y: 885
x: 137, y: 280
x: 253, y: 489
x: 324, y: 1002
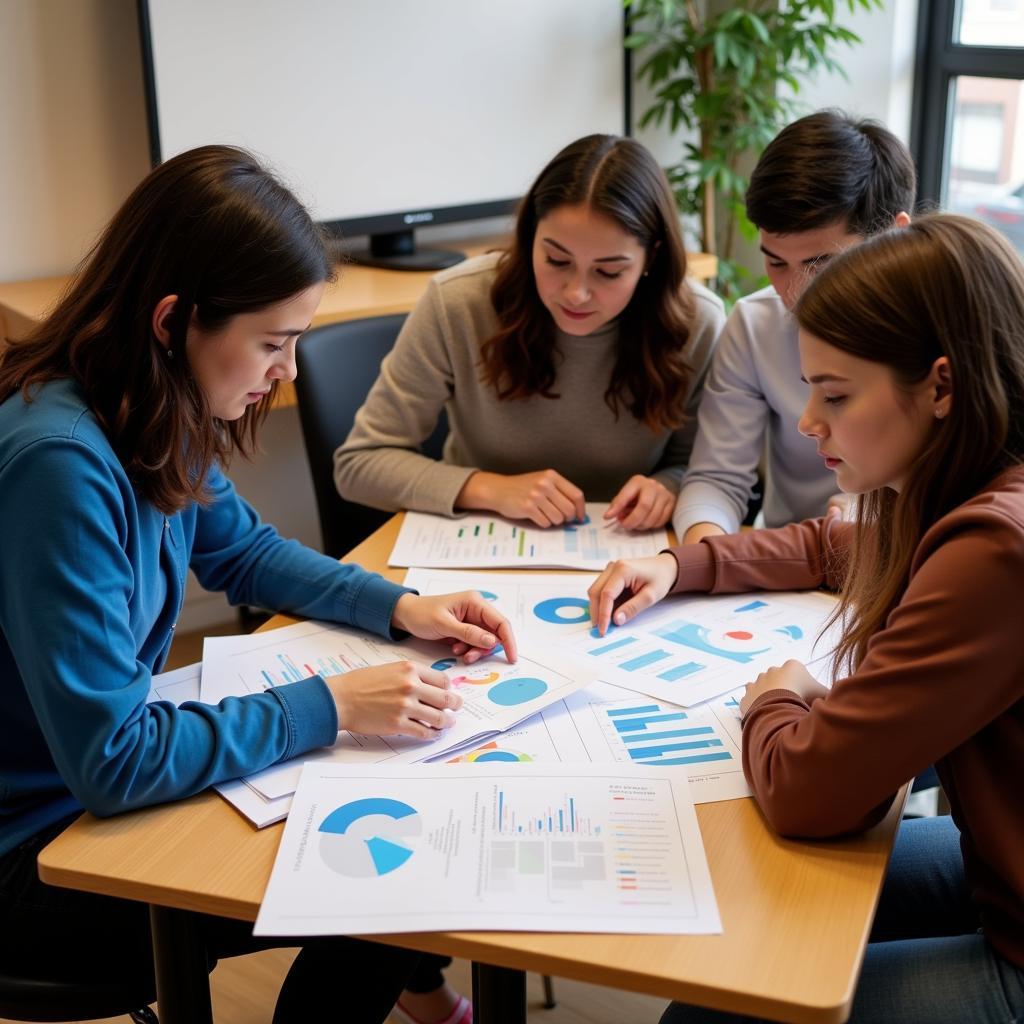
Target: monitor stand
x: 397, y: 250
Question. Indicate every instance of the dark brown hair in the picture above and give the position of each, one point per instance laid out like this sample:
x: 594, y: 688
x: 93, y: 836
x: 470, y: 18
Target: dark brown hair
x: 945, y: 286
x: 219, y: 231
x: 828, y: 167
x: 619, y: 179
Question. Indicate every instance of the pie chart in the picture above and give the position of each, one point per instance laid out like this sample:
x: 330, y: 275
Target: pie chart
x: 370, y: 837
x: 563, y: 610
x: 516, y: 691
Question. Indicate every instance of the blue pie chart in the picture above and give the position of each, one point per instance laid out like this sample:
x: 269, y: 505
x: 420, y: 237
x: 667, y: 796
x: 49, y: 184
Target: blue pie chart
x: 565, y: 611
x: 368, y: 838
x: 444, y: 664
x: 510, y: 692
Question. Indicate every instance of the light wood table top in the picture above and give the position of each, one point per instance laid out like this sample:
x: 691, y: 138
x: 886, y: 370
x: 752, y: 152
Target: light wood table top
x: 358, y: 292
x: 795, y: 915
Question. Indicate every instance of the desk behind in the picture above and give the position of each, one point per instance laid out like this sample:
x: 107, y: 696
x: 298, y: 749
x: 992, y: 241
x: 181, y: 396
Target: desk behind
x: 795, y: 915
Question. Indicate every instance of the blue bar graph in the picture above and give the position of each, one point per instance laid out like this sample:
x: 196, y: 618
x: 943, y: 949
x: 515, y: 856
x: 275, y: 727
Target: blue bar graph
x: 641, y: 723
x: 645, y: 753
x: 644, y: 660
x: 752, y: 607
x: 669, y: 734
x: 696, y: 758
x: 679, y: 671
x: 643, y: 709
x: 598, y: 651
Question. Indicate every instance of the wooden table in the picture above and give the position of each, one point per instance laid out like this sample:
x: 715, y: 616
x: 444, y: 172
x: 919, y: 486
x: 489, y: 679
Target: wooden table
x: 358, y: 292
x: 795, y: 915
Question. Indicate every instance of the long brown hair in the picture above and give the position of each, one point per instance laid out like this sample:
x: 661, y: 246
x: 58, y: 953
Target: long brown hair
x: 218, y: 230
x: 944, y: 286
x: 619, y: 179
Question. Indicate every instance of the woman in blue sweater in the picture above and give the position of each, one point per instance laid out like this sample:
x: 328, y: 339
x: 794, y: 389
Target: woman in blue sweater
x: 115, y: 418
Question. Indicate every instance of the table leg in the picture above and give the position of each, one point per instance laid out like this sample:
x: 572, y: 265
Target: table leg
x: 499, y: 995
x: 182, y: 976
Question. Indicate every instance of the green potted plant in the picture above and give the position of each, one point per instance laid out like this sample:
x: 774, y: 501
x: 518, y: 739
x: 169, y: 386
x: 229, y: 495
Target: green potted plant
x: 714, y: 70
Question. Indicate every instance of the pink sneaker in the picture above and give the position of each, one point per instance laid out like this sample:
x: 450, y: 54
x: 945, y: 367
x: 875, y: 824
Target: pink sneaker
x: 462, y: 1014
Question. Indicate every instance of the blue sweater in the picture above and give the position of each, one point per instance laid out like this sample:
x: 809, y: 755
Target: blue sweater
x: 91, y: 584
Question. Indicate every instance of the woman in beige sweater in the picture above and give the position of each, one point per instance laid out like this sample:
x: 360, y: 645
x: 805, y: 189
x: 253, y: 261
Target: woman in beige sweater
x: 913, y: 345
x: 570, y: 367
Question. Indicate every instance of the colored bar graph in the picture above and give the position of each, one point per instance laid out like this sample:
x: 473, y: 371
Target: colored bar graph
x: 752, y: 607
x: 697, y: 758
x: 669, y: 734
x: 680, y: 671
x: 598, y: 651
x: 642, y: 753
x: 619, y: 712
x: 644, y: 660
x: 522, y: 543
x: 639, y: 724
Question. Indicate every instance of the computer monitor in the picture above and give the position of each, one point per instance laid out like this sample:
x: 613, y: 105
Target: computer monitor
x: 387, y: 115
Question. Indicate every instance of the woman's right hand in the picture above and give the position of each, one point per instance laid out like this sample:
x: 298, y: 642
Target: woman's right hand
x: 545, y: 497
x: 398, y: 698
x: 648, y: 580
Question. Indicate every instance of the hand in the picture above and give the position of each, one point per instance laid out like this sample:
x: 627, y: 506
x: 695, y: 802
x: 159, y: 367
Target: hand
x: 842, y: 505
x: 647, y: 580
x: 545, y: 497
x: 699, y: 531
x: 643, y: 504
x: 472, y: 624
x: 399, y: 697
x: 792, y: 675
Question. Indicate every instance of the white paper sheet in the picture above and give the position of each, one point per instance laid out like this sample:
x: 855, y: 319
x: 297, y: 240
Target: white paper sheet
x: 540, y: 848
x: 608, y: 724
x: 496, y: 695
x: 690, y: 649
x: 490, y: 542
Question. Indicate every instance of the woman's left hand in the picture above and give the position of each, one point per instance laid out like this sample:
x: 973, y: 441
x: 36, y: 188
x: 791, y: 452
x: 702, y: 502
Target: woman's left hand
x: 470, y: 623
x: 643, y: 504
x: 792, y: 675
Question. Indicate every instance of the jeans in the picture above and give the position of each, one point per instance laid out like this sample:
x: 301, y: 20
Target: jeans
x: 46, y: 931
x: 927, y: 962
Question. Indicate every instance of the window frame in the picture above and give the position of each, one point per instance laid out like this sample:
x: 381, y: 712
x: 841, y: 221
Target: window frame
x: 938, y: 62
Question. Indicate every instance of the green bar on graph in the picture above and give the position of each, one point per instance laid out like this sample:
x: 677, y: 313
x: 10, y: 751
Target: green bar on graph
x: 476, y: 531
x: 490, y: 529
x: 522, y: 542
x: 461, y: 532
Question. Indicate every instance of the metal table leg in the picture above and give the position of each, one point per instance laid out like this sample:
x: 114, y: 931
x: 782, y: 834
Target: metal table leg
x: 182, y: 977
x: 499, y: 995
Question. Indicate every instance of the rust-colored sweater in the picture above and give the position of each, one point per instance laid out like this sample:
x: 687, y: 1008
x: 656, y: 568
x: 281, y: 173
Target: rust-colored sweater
x: 942, y: 683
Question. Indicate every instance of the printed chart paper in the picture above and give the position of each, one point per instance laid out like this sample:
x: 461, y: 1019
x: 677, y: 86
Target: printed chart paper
x: 542, y: 607
x: 687, y: 650
x: 496, y: 695
x: 608, y: 724
x: 182, y: 685
x: 491, y: 542
x: 540, y: 848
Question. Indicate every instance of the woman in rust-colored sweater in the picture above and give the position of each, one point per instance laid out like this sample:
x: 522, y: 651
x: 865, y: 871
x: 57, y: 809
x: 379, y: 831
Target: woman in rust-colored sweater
x: 913, y: 347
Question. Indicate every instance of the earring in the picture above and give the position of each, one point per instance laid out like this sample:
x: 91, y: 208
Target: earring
x: 939, y: 414
x: 645, y: 273
x: 170, y: 353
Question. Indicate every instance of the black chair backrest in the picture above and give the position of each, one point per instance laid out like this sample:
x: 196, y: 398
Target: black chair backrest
x: 337, y: 365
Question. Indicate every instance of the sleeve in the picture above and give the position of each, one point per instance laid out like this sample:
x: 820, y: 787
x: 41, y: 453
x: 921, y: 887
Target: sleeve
x: 946, y: 665
x: 235, y: 552
x: 704, y: 335
x: 379, y: 464
x: 67, y: 595
x: 730, y: 437
x: 800, y: 556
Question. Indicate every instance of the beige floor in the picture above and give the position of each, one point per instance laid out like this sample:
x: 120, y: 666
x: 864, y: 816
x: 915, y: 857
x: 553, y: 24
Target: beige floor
x: 244, y: 989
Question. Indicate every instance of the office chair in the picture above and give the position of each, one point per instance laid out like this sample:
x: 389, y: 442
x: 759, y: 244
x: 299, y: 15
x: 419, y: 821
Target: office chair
x: 337, y: 365
x: 57, y: 999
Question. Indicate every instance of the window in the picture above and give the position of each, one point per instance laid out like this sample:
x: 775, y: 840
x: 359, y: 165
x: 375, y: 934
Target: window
x: 967, y: 129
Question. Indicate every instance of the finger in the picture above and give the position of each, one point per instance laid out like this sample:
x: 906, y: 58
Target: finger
x: 625, y: 498
x: 642, y: 508
x: 442, y: 698
x: 661, y: 511
x: 575, y: 497
x: 536, y: 514
x: 602, y: 604
x: 489, y: 618
x: 564, y: 509
x: 459, y: 648
x: 630, y: 609
x: 551, y: 512
x: 433, y: 677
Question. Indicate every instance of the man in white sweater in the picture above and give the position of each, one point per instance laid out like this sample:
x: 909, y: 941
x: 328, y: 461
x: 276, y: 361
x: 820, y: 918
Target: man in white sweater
x: 824, y: 183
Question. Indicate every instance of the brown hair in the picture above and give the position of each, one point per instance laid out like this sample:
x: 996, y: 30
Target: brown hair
x: 828, y: 167
x: 945, y: 286
x: 218, y: 230
x: 619, y: 179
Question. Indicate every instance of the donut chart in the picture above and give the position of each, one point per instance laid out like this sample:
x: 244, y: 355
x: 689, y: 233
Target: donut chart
x: 370, y: 837
x: 563, y: 611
